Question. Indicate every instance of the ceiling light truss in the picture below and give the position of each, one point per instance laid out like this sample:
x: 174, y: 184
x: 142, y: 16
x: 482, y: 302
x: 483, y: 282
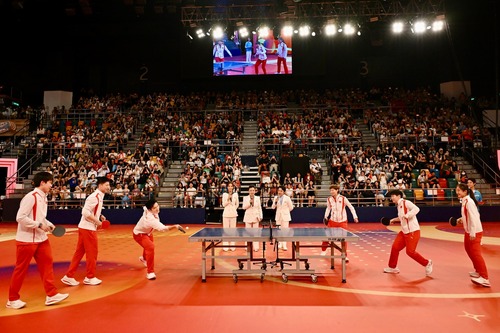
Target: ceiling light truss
x: 312, y: 10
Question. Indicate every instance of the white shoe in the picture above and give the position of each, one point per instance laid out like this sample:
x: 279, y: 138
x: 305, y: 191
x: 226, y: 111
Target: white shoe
x: 225, y: 249
x: 474, y: 274
x: 233, y: 249
x: 151, y: 276
x: 256, y: 250
x: 428, y: 268
x: 17, y: 304
x: 346, y: 259
x: 391, y: 270
x: 92, y: 282
x: 51, y: 300
x: 144, y: 262
x: 482, y: 281
x: 285, y: 249
x: 323, y: 253
x: 69, y: 281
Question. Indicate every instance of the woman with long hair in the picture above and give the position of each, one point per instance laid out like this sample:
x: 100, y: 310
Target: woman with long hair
x: 473, y: 234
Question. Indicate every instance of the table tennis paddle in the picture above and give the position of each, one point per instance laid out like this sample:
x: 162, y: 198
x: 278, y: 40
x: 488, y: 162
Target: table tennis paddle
x: 325, y: 221
x: 59, y: 231
x: 105, y: 224
x: 385, y: 221
x: 181, y: 229
x: 453, y: 221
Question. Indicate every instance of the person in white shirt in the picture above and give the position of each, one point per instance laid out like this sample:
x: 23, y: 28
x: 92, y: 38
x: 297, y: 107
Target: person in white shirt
x: 282, y: 54
x: 248, y: 50
x: 336, y: 214
x: 32, y: 241
x: 260, y: 53
x: 471, y: 221
x: 218, y: 53
x: 87, y: 243
x: 230, y: 202
x: 409, y: 235
x: 143, y: 235
x: 253, y: 212
x: 283, y: 205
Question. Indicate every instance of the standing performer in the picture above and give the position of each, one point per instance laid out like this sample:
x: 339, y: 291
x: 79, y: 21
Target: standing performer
x: 248, y: 50
x: 335, y: 213
x: 218, y: 53
x: 408, y: 236
x: 473, y: 234
x: 283, y: 205
x: 260, y: 53
x: 32, y: 242
x: 87, y: 243
x: 253, y: 212
x: 282, y: 54
x: 230, y: 202
x: 143, y: 235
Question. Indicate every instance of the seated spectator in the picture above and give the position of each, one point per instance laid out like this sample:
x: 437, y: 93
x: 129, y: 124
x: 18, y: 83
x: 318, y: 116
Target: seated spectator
x: 316, y: 171
x: 179, y: 196
x: 311, y: 193
x: 190, y: 195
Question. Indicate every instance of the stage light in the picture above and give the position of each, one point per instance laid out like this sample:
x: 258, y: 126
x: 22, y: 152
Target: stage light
x: 243, y: 32
x: 437, y: 25
x: 287, y: 31
x: 200, y: 33
x: 218, y: 33
x: 419, y: 27
x: 304, y: 30
x: 263, y: 32
x: 398, y: 27
x: 349, y: 29
x: 330, y: 29
x: 313, y: 33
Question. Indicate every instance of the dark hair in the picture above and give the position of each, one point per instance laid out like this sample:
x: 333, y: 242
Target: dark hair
x: 102, y: 180
x: 42, y: 177
x: 251, y: 186
x: 464, y: 187
x: 282, y: 187
x: 150, y: 203
x: 473, y: 180
x: 396, y: 192
x: 335, y: 186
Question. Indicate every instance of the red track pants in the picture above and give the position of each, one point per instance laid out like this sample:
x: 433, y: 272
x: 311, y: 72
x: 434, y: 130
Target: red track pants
x: 473, y: 249
x: 148, y: 252
x: 410, y: 241
x: 42, y: 253
x: 86, y: 245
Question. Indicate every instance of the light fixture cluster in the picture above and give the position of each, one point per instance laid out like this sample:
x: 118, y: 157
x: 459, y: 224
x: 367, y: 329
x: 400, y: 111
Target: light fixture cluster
x: 329, y: 29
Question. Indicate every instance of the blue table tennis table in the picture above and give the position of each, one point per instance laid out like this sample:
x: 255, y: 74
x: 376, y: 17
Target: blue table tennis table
x: 222, y: 68
x: 212, y: 238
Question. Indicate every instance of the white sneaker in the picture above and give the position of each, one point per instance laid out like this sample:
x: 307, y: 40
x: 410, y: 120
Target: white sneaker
x: 51, y: 300
x: 474, y: 274
x: 17, y: 304
x: 428, y: 268
x: 346, y: 259
x: 151, y: 276
x: 323, y: 253
x: 482, y: 281
x: 256, y: 250
x: 144, y: 262
x: 285, y: 249
x: 69, y: 281
x: 92, y: 282
x: 391, y: 270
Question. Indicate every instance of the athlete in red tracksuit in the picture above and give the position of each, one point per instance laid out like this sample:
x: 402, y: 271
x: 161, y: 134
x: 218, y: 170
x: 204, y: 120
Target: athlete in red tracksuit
x: 143, y: 235
x: 473, y: 234
x: 409, y: 235
x: 32, y: 242
x: 335, y: 214
x: 87, y: 236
